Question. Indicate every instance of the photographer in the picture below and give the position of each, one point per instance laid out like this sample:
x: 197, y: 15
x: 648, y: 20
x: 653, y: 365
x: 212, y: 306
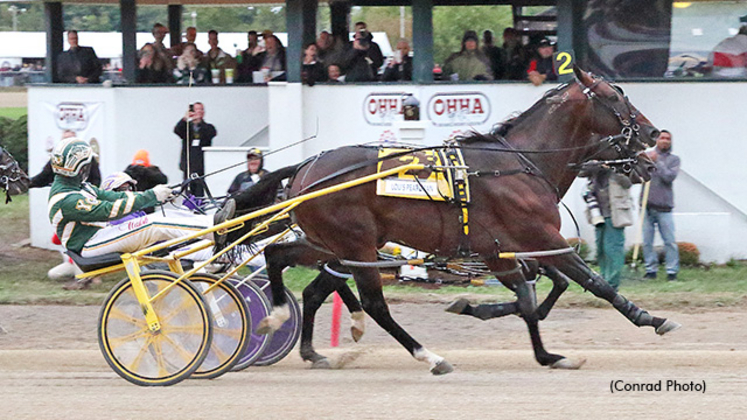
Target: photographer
x: 356, y: 63
x: 195, y: 133
x: 609, y: 194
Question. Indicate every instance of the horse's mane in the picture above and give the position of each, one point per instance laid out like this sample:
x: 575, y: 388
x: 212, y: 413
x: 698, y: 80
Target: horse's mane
x: 502, y: 129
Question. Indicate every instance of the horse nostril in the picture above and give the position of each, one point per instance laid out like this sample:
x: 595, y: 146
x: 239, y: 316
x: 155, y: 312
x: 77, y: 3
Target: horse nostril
x: 654, y: 134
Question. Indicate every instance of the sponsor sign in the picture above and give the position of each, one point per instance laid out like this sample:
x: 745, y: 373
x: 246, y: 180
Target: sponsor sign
x: 463, y: 108
x: 383, y: 108
x: 72, y: 116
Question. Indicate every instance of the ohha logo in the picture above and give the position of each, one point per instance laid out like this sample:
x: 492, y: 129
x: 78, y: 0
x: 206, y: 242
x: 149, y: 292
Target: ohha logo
x: 72, y: 116
x: 471, y: 108
x: 383, y: 108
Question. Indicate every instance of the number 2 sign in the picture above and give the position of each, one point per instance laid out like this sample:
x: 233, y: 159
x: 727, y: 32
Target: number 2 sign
x: 562, y: 61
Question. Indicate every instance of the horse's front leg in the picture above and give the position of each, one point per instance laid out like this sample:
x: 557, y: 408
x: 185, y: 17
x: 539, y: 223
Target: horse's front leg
x: 574, y: 267
x: 527, y: 307
x: 559, y: 285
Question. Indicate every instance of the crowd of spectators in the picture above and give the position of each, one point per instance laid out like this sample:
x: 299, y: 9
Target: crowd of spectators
x: 328, y: 59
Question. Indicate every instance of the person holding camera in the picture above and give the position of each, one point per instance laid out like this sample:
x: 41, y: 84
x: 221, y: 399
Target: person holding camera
x: 195, y: 133
x: 361, y: 62
x: 400, y: 66
x: 610, y: 210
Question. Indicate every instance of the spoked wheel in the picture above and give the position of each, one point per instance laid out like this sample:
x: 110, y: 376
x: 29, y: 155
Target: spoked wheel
x: 259, y: 308
x: 232, y: 325
x: 160, y: 358
x: 284, y: 339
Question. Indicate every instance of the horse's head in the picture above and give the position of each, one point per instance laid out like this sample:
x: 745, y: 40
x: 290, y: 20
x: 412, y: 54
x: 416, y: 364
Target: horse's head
x: 12, y: 178
x: 623, y: 131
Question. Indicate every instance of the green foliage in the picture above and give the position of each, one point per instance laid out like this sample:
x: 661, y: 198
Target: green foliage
x: 689, y: 254
x: 450, y: 23
x: 581, y: 247
x: 14, y: 137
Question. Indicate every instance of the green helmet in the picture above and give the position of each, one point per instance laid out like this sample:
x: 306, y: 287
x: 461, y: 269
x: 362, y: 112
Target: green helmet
x: 70, y: 156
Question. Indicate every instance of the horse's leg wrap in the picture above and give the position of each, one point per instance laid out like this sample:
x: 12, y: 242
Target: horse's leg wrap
x: 600, y: 288
x: 493, y: 310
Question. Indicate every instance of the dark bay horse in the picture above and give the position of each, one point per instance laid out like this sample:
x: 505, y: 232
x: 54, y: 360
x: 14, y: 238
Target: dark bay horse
x: 13, y: 181
x: 516, y: 181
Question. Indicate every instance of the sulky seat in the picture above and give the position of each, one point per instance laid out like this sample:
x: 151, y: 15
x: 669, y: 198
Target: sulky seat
x: 95, y: 263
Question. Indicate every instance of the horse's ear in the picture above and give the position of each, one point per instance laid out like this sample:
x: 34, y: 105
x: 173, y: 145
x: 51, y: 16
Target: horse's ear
x: 582, y: 76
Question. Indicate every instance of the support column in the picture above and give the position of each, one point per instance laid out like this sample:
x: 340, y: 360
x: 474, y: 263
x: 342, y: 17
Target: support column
x: 175, y: 24
x: 422, y: 41
x: 568, y: 14
x: 128, y: 18
x: 54, y: 26
x: 339, y: 15
x: 309, y: 21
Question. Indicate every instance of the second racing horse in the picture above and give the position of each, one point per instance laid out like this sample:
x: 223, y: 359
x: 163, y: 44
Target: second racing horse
x: 13, y: 181
x: 516, y: 180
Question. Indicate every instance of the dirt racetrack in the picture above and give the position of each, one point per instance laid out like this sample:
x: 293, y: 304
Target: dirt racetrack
x: 50, y: 368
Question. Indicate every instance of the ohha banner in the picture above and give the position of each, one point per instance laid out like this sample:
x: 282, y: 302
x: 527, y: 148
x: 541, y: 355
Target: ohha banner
x: 84, y: 120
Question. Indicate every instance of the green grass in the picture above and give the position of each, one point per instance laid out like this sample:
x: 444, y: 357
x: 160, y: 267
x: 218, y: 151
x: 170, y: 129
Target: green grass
x: 13, y: 113
x: 23, y: 280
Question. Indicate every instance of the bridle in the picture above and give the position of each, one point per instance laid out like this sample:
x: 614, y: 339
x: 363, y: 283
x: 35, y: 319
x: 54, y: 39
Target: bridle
x: 10, y: 173
x: 627, y: 144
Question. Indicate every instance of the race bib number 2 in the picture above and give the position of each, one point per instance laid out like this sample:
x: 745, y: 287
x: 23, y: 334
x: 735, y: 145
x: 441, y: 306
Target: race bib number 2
x: 563, y: 62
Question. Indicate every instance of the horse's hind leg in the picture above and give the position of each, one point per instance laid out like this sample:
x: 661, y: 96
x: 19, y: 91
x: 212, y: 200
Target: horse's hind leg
x: 313, y: 296
x: 372, y: 299
x: 559, y: 285
x: 574, y: 267
x: 357, y: 317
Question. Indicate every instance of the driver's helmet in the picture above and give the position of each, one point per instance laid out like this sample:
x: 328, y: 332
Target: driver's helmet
x: 70, y: 156
x: 116, y: 180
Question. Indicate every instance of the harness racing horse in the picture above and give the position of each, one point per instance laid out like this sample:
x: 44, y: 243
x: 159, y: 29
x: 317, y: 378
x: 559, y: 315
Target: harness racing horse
x: 516, y: 179
x: 13, y: 180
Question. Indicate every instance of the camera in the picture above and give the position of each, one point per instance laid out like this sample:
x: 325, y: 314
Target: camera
x: 592, y: 206
x: 191, y: 108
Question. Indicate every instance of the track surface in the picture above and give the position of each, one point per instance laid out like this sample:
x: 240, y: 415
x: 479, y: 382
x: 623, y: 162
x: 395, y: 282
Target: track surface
x: 50, y: 368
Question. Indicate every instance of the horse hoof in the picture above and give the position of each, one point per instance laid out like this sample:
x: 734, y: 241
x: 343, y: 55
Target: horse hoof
x: 458, y: 306
x: 668, y: 326
x: 568, y: 364
x: 356, y: 333
x: 264, y: 328
x: 321, y: 364
x: 442, y: 368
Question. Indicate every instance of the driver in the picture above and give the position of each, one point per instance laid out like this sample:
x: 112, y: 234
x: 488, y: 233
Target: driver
x: 79, y: 211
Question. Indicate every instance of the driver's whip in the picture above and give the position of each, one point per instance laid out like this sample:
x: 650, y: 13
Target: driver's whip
x: 639, y: 231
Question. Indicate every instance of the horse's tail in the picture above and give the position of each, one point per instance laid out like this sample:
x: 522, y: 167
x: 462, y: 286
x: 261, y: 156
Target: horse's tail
x: 264, y: 192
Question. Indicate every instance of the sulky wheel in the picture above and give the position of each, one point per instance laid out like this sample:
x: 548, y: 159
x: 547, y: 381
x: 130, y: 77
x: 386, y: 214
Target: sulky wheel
x: 284, y: 339
x: 160, y: 358
x: 232, y: 325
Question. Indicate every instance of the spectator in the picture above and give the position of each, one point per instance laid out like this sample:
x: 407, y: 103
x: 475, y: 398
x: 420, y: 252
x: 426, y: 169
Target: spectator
x: 373, y: 51
x: 75, y: 205
x: 217, y: 59
x: 249, y: 61
x: 191, y: 36
x: 159, y: 34
x: 189, y: 65
x: 272, y: 58
x: 312, y: 70
x: 729, y: 57
x: 400, y: 66
x: 255, y: 163
x: 152, y: 68
x: 516, y: 56
x: 355, y: 61
x: 195, y: 133
x: 78, y: 64
x: 324, y: 44
x: 541, y: 68
x: 469, y: 63
x: 659, y: 209
x: 611, y: 192
x: 334, y: 75
x: 146, y: 176
x: 496, y: 56
x: 46, y: 176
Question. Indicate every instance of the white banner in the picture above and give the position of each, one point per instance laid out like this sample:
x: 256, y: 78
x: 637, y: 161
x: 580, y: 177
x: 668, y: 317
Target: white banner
x: 85, y: 119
